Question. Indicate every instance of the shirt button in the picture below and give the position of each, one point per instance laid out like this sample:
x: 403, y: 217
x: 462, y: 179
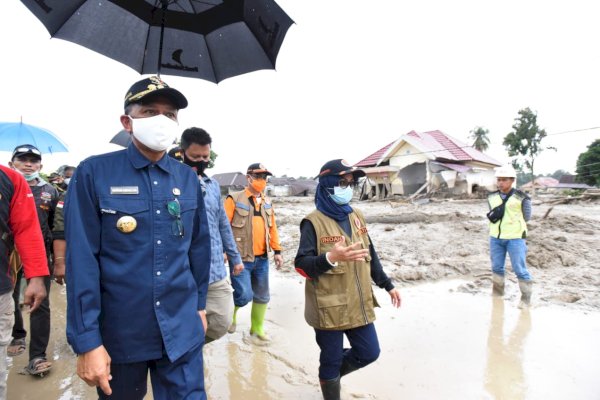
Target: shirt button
x: 158, y: 303
x: 158, y: 211
x: 158, y: 242
x: 158, y: 273
x: 155, y: 182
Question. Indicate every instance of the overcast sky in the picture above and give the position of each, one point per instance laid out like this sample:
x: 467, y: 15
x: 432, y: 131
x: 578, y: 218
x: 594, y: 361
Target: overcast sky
x: 351, y: 77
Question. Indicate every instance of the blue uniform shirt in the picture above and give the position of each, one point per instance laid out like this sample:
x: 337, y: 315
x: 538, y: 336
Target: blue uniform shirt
x: 221, y: 236
x: 136, y: 293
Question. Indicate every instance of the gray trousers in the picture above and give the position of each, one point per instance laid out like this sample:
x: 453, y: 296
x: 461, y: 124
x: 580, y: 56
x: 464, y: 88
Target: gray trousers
x: 219, y: 308
x: 7, y: 320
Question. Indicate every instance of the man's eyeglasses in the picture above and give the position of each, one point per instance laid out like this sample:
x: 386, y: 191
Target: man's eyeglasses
x: 344, y: 183
x: 259, y: 176
x: 175, y: 210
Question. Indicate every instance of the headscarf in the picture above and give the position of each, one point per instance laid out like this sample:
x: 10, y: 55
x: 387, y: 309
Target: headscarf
x: 324, y: 202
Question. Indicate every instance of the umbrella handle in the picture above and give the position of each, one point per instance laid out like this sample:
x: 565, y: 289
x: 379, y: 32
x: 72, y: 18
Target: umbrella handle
x: 165, y: 4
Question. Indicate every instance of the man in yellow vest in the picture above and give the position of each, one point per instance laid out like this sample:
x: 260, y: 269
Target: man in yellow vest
x: 254, y: 228
x: 510, y: 209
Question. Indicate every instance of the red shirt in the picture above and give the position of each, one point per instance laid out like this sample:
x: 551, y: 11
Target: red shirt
x: 18, y: 204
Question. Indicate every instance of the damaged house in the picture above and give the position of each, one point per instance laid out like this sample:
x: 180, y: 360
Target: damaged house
x: 278, y: 187
x: 422, y: 162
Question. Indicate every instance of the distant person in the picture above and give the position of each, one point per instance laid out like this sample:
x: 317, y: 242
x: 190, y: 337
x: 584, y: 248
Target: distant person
x: 338, y: 259
x: 17, y: 211
x: 27, y: 160
x: 194, y: 151
x: 138, y: 259
x: 57, y: 180
x: 68, y: 173
x: 254, y: 228
x: 510, y: 209
x: 59, y: 243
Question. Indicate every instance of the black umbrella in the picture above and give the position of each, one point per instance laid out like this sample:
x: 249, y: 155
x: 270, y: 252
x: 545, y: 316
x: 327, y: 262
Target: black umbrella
x: 123, y: 138
x: 207, y: 39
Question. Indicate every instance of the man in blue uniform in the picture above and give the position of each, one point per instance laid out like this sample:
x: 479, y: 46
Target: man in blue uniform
x: 138, y: 259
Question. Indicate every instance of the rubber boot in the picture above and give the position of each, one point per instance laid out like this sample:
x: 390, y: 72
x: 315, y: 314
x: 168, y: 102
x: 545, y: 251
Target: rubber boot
x: 331, y: 389
x: 526, y: 289
x: 233, y: 325
x: 257, y: 319
x: 497, y: 285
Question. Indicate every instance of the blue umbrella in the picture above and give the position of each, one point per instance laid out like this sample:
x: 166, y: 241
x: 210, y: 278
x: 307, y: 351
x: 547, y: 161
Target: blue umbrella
x: 13, y: 134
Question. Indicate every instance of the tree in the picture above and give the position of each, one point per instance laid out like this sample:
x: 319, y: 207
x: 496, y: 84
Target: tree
x: 588, y: 165
x: 524, y: 142
x: 481, y: 141
x: 559, y: 173
x: 213, y: 157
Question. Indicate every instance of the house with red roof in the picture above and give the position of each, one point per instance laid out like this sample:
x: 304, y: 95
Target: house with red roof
x: 426, y: 161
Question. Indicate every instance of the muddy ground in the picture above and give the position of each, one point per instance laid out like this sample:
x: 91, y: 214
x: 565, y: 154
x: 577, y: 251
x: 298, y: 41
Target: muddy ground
x: 449, y: 339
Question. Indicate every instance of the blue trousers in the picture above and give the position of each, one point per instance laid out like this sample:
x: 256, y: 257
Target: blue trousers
x: 364, y: 349
x: 517, y: 251
x: 252, y: 284
x: 181, y: 379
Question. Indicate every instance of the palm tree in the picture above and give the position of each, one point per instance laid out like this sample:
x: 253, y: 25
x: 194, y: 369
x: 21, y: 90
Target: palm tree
x: 481, y: 141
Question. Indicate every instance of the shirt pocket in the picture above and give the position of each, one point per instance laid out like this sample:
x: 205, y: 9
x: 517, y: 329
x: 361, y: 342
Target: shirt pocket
x: 113, y: 209
x: 333, y: 311
x: 269, y: 212
x: 240, y: 217
x: 188, y: 211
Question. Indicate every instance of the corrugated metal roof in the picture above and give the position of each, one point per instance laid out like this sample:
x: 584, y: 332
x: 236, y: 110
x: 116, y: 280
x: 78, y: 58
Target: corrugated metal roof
x: 435, y: 145
x: 230, y: 179
x: 374, y: 159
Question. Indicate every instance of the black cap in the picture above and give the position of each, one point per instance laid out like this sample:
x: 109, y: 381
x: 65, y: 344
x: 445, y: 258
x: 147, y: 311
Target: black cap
x: 340, y: 167
x: 257, y: 168
x: 154, y: 86
x: 26, y: 149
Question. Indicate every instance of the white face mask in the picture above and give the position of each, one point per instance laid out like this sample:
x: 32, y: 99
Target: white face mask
x: 156, y: 133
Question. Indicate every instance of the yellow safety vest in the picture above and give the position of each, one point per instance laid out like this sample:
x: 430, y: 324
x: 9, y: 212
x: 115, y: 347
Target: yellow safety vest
x: 512, y: 225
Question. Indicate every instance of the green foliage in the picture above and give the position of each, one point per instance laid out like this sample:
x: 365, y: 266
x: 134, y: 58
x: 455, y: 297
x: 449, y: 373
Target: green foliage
x: 213, y: 157
x: 524, y: 142
x: 588, y: 165
x: 572, y: 192
x: 558, y: 174
x: 481, y: 141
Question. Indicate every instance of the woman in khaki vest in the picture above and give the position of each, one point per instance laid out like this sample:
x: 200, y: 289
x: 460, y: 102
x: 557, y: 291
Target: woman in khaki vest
x: 339, y: 261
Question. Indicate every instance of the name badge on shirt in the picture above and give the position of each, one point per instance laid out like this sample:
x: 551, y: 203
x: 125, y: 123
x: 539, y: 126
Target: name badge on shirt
x: 124, y: 190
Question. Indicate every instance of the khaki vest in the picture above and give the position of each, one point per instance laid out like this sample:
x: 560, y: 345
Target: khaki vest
x: 341, y: 298
x: 512, y: 225
x: 241, y: 224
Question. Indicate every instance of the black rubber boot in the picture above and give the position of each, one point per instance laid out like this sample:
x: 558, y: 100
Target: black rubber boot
x: 331, y: 389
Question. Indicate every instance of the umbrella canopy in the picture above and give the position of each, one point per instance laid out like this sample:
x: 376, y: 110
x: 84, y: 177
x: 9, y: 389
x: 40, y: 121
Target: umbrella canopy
x: 207, y: 39
x: 122, y: 138
x: 13, y: 134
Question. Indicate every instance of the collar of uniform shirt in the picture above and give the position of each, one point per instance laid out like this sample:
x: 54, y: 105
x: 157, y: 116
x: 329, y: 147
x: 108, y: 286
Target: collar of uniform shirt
x: 139, y: 161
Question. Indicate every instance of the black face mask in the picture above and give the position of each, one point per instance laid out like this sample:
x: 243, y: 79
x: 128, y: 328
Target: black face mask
x: 198, y: 166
